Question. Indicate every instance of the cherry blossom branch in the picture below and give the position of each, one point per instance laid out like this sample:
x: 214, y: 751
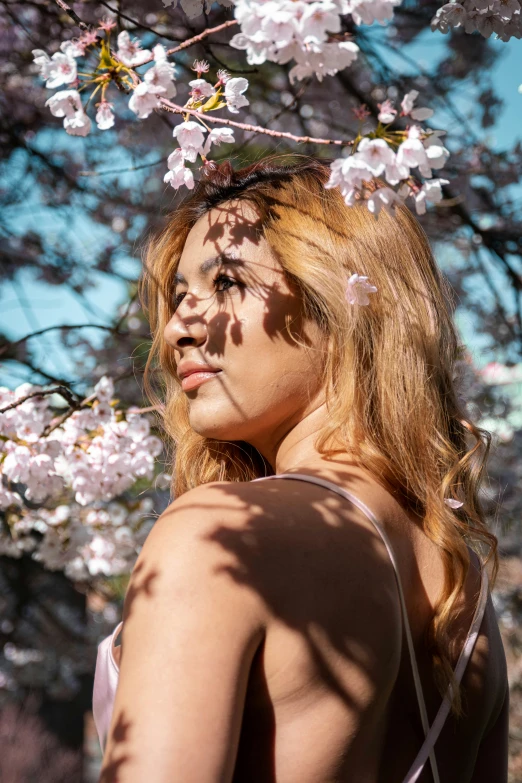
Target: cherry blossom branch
x: 66, y: 393
x: 173, y: 107
x: 60, y: 420
x: 135, y: 22
x: 74, y: 16
x: 197, y: 38
x: 13, y: 344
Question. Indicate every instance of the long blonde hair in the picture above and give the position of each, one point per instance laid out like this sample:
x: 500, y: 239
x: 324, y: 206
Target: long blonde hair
x: 390, y: 391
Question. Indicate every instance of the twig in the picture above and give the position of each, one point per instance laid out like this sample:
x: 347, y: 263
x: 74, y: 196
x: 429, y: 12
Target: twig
x: 197, y: 38
x: 74, y: 16
x: 58, y: 422
x: 50, y: 329
x: 66, y: 393
x: 136, y: 23
x: 169, y: 106
x: 120, y: 171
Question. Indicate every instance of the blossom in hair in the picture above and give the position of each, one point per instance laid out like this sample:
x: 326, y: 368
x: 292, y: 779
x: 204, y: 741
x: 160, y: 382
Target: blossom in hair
x: 452, y: 503
x: 358, y: 288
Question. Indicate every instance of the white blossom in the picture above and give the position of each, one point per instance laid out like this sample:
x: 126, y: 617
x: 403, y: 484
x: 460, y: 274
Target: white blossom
x: 387, y: 112
x: 411, y: 151
x: 67, y: 104
x: 370, y: 11
x: 201, y: 88
x: 233, y: 94
x: 105, y: 116
x: 178, y: 174
x: 157, y: 83
x: 58, y: 69
x: 436, y: 152
x: 218, y: 136
x: 408, y: 110
x: 384, y: 198
x: 130, y: 51
x: 299, y: 31
x: 190, y: 136
x: 431, y: 190
x: 358, y: 288
x: 104, y: 389
x: 376, y: 154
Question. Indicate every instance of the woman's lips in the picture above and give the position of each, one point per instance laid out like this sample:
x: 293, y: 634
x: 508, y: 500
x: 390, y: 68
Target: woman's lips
x: 195, y: 379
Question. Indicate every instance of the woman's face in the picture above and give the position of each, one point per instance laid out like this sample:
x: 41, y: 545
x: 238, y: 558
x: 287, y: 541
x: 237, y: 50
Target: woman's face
x: 236, y: 311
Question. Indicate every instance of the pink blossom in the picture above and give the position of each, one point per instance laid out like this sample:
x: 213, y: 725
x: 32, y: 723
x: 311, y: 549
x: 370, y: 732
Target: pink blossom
x: 387, y: 112
x: 408, y: 110
x: 376, y: 154
x: 105, y: 116
x: 234, y: 89
x: 130, y: 51
x: 190, y: 137
x: 452, y: 503
x: 384, y: 198
x: 358, y: 288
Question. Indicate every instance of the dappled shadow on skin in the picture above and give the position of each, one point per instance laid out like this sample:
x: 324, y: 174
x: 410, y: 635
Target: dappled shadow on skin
x: 139, y: 583
x: 321, y: 570
x: 116, y: 756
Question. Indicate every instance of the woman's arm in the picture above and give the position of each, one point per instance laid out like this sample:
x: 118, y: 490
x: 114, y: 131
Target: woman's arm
x: 190, y: 631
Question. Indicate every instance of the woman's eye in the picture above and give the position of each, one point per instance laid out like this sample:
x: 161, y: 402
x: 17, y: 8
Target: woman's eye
x: 219, y: 279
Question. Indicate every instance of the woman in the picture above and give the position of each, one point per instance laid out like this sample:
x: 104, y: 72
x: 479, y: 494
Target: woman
x: 297, y: 612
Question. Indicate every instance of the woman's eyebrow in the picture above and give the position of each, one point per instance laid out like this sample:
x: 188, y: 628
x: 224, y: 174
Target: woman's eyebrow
x: 209, y: 264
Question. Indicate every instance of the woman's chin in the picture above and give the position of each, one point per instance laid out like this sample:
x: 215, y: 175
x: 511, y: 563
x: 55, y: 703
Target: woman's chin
x: 215, y: 430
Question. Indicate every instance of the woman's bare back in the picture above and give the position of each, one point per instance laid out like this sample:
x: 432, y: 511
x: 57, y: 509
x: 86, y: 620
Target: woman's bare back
x: 326, y: 701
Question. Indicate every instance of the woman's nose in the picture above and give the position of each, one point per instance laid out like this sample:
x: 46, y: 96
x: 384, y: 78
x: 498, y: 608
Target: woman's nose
x: 185, y: 329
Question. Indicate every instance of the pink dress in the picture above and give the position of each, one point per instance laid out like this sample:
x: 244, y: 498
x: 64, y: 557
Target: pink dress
x: 106, y: 673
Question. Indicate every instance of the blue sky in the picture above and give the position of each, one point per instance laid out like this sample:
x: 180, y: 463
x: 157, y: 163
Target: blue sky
x: 53, y: 306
